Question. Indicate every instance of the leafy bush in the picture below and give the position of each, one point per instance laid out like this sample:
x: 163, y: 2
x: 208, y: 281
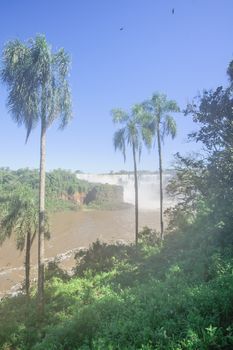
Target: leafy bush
x: 180, y: 296
x: 53, y: 270
x: 102, y: 257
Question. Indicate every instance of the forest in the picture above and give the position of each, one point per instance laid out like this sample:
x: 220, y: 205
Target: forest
x: 63, y: 189
x: 171, y: 289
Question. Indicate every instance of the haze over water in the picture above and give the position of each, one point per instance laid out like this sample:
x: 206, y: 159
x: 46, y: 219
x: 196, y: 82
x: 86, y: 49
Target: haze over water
x: 148, y: 187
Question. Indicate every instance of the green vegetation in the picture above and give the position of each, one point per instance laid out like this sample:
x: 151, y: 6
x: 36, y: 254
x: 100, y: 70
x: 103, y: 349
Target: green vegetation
x: 105, y: 196
x: 20, y: 217
x: 130, y: 134
x: 59, y: 186
x: 19, y: 204
x: 62, y: 189
x: 149, y: 122
x: 159, y: 124
x: 37, y: 81
x: 174, y: 293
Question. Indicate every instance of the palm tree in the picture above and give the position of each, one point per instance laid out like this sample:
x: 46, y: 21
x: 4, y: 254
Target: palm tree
x: 21, y: 218
x: 38, y: 92
x: 159, y: 124
x: 130, y: 135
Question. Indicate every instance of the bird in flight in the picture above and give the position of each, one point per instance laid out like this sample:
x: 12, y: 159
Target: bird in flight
x: 173, y: 11
x: 121, y: 28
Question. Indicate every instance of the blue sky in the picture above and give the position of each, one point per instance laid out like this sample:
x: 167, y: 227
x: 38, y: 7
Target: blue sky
x: 178, y: 54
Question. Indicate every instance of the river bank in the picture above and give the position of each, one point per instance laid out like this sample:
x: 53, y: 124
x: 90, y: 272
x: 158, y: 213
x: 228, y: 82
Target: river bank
x: 71, y: 230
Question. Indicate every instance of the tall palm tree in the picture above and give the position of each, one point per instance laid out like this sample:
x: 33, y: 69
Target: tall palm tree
x: 159, y: 124
x: 21, y: 218
x: 129, y: 135
x: 37, y: 81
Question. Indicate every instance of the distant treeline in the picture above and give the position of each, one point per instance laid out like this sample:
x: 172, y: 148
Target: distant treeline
x: 62, y: 188
x: 60, y: 184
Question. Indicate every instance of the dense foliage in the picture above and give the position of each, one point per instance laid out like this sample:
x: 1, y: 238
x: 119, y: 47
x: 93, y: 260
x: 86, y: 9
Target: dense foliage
x: 61, y: 187
x: 175, y: 294
x: 60, y: 184
x: 204, y: 184
x: 178, y: 295
x: 38, y: 93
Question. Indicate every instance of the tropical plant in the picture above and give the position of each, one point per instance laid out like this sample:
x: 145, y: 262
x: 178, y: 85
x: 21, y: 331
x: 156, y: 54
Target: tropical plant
x: 159, y: 124
x: 38, y: 92
x: 213, y: 111
x: 130, y: 135
x: 21, y: 218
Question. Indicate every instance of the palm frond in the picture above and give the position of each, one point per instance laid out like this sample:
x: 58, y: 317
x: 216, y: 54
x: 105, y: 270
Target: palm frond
x: 158, y: 109
x: 20, y: 215
x: 119, y: 141
x: 130, y: 135
x: 147, y: 136
x: 37, y: 80
x: 171, y: 106
x: 170, y: 126
x: 119, y: 116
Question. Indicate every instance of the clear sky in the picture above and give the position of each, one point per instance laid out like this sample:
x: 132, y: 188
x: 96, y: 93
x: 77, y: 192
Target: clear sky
x: 178, y: 54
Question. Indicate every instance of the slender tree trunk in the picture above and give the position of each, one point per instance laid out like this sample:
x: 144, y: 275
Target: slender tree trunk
x: 136, y: 194
x: 160, y: 181
x: 41, y: 220
x: 27, y: 263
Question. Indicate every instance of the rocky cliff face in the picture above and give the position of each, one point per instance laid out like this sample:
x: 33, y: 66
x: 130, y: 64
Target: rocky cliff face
x: 99, y: 195
x: 105, y: 195
x: 79, y: 197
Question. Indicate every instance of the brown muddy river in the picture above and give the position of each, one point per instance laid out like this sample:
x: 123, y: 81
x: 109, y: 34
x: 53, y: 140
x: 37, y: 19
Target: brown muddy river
x: 71, y: 230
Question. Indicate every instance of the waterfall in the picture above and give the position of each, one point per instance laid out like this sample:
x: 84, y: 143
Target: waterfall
x: 148, y: 187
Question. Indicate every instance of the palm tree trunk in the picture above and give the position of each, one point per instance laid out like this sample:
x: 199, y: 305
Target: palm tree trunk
x: 41, y: 220
x: 160, y: 181
x: 27, y: 263
x: 136, y: 194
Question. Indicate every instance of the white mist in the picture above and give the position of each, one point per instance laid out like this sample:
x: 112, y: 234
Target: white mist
x: 148, y: 187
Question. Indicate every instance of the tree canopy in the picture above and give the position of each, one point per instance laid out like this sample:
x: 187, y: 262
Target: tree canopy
x: 37, y: 83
